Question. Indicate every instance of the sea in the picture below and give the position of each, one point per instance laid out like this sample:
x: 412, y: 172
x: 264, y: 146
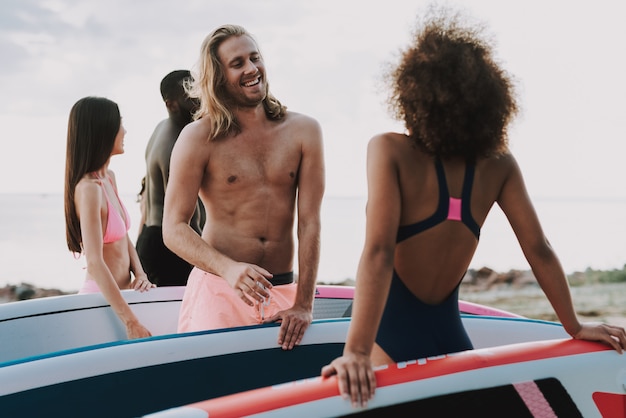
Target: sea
x: 586, y: 233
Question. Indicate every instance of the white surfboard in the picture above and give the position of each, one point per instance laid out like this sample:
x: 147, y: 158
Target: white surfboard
x: 171, y: 370
x: 40, y: 326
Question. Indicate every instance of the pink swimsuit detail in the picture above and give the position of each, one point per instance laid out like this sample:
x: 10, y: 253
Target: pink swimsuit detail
x: 117, y: 226
x: 210, y: 303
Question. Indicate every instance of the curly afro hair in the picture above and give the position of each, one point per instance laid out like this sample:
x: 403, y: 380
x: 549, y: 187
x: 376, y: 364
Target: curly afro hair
x: 453, y: 97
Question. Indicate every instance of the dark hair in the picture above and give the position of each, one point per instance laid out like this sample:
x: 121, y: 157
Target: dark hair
x: 91, y: 131
x: 172, y: 86
x: 453, y: 97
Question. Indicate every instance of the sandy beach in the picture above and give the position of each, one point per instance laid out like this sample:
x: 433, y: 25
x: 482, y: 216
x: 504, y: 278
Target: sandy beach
x: 593, y: 302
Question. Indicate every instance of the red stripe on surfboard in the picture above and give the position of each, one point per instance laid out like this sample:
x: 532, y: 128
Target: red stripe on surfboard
x: 314, y: 389
x: 610, y: 405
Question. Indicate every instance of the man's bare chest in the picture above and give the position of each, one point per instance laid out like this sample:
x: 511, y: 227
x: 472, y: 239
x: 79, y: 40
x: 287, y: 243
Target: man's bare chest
x: 250, y: 166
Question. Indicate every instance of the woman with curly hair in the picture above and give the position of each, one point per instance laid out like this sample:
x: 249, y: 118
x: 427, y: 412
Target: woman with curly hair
x: 429, y: 192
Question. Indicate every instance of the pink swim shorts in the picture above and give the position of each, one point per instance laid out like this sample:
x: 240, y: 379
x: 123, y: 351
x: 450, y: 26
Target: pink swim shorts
x: 210, y: 303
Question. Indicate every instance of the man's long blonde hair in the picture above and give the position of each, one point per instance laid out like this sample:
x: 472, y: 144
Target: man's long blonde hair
x: 208, y: 86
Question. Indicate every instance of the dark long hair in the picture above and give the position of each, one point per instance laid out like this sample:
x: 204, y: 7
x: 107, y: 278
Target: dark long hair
x: 91, y: 131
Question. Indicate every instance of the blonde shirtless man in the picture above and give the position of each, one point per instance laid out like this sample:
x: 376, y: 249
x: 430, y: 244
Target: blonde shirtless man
x: 254, y: 165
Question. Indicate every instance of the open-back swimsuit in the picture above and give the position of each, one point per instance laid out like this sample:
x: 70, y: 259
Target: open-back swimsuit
x: 411, y: 329
x: 116, y: 227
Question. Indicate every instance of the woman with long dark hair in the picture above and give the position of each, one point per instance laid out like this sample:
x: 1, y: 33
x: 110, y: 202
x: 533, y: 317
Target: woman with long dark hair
x: 96, y: 221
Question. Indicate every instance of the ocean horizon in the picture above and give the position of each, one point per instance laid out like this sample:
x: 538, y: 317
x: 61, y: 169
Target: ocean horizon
x: 586, y: 233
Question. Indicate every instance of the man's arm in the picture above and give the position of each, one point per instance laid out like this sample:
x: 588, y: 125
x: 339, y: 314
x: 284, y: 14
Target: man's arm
x: 311, y: 183
x: 186, y: 172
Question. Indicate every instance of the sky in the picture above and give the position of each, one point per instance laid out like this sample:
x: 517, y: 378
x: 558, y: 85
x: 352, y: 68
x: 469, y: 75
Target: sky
x: 324, y: 58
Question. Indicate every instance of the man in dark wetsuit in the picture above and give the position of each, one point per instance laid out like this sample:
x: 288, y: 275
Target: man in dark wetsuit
x: 163, y: 267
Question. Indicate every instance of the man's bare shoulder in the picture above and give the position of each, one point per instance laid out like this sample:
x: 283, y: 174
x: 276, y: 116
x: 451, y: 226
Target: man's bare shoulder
x: 197, y: 130
x: 160, y: 127
x: 305, y: 126
x: 300, y: 119
x: 162, y: 139
x: 192, y: 144
x: 166, y: 130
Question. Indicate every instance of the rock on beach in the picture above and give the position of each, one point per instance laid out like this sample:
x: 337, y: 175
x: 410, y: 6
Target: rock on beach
x: 24, y: 291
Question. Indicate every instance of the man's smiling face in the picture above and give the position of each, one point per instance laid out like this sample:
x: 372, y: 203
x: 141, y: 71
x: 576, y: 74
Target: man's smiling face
x: 244, y: 71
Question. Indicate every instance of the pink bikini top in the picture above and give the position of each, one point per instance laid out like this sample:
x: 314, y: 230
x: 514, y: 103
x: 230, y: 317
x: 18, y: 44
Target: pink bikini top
x: 117, y: 226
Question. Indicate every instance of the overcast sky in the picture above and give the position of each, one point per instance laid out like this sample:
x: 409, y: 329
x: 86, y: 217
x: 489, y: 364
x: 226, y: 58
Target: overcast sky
x: 324, y: 58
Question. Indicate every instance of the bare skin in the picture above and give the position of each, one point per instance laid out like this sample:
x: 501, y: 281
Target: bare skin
x: 158, y: 153
x: 403, y: 189
x: 251, y: 184
x: 110, y: 265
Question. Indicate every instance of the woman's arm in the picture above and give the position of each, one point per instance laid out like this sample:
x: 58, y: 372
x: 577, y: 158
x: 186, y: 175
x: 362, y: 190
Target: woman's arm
x: 545, y: 265
x: 354, y: 368
x: 141, y: 282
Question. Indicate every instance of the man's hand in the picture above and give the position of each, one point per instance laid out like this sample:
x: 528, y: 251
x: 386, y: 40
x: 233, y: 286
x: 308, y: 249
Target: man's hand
x: 249, y: 281
x: 294, y: 322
